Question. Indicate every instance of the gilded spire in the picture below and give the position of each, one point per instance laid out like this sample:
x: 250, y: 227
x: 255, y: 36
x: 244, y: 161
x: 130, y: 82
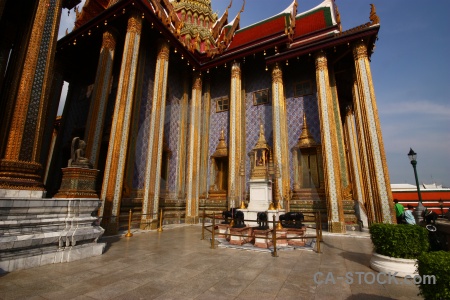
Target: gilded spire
x: 305, y: 140
x: 221, y: 149
x: 262, y: 143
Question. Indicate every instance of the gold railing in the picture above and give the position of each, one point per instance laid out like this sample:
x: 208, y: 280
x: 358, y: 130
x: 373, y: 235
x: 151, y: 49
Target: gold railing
x: 140, y: 221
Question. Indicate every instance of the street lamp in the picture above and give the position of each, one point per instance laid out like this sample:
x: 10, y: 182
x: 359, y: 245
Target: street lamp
x: 420, y: 208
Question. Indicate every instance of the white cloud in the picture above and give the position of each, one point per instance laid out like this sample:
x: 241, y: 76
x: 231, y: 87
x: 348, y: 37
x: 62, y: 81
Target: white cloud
x: 416, y: 107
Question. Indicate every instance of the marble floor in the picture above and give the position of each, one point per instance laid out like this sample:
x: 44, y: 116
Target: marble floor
x: 177, y: 264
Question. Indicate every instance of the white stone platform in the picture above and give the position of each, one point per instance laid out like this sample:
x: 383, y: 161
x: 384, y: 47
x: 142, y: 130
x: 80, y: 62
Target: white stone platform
x: 38, y: 231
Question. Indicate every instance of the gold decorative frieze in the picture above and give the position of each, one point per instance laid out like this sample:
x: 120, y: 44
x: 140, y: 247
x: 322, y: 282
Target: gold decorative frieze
x: 134, y: 24
x: 109, y: 41
x: 78, y: 183
x: 359, y: 50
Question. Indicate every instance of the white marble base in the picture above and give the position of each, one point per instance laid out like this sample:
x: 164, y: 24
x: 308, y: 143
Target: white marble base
x: 387, y: 264
x: 8, y: 193
x: 38, y: 231
x: 62, y: 255
x: 260, y: 195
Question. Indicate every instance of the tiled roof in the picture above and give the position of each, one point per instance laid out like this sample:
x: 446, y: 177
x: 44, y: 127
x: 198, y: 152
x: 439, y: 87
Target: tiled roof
x: 313, y: 21
x: 260, y: 30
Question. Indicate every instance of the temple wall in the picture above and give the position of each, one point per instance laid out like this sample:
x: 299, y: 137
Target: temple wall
x: 140, y: 137
x: 297, y: 105
x: 220, y: 87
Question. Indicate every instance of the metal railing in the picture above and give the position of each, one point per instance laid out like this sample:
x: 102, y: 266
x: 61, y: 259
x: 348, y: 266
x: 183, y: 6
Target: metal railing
x: 139, y: 221
x: 275, y: 224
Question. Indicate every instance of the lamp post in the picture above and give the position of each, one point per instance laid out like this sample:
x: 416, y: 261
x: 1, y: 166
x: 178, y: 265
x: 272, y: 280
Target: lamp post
x: 441, y: 204
x: 420, y: 208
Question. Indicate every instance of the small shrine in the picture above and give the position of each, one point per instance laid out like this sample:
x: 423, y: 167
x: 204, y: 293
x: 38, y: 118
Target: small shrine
x: 262, y: 172
x: 219, y: 170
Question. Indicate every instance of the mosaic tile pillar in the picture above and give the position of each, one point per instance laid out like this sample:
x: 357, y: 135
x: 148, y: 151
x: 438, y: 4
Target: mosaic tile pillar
x: 351, y: 140
x: 152, y: 180
x: 181, y: 168
x: 206, y: 112
x: 280, y: 136
x: 99, y: 100
x: 364, y: 162
x: 378, y: 171
x: 339, y: 131
x: 20, y: 166
x: 118, y: 142
x: 193, y: 157
x: 330, y: 150
x: 235, y: 136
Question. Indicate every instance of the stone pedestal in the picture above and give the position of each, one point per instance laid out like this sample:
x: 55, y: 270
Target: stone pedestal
x: 240, y: 236
x: 297, y: 234
x: 260, y: 195
x: 262, y: 238
x: 37, y: 231
x: 78, y: 183
x: 223, y: 231
x: 281, y: 238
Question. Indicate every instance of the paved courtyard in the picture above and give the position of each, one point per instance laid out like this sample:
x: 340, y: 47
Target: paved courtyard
x: 177, y: 264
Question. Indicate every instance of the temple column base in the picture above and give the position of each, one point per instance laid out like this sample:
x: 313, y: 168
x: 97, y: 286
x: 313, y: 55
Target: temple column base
x: 192, y: 220
x: 20, y: 175
x: 336, y: 227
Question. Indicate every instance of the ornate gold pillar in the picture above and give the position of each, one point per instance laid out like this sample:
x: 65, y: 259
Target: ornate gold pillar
x: 280, y: 135
x: 20, y: 167
x: 99, y: 100
x: 152, y: 181
x: 339, y: 131
x: 181, y: 168
x: 351, y: 139
x: 235, y: 136
x: 193, y: 158
x: 206, y: 112
x: 378, y: 171
x: 329, y: 147
x: 118, y: 142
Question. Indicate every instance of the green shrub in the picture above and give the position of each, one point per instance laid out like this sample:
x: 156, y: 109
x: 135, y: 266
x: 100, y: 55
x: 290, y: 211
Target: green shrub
x: 438, y: 264
x: 400, y: 241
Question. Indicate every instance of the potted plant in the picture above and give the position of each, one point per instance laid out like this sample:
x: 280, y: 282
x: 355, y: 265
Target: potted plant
x: 397, y: 247
x: 436, y: 267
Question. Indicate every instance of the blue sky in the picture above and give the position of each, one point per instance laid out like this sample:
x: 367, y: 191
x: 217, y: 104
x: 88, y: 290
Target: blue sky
x: 411, y: 74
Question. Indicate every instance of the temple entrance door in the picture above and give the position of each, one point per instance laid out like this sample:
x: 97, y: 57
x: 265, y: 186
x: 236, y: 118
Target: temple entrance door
x: 308, y: 168
x: 222, y: 174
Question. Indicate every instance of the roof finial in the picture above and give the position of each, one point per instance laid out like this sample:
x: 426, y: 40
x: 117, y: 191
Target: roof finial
x: 229, y: 6
x: 373, y: 15
x: 242, y: 9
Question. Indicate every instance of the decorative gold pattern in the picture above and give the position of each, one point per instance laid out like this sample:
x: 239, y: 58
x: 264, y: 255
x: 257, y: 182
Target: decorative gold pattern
x: 26, y: 127
x: 329, y: 146
x: 152, y: 181
x: 118, y: 144
x: 235, y: 136
x: 134, y: 24
x: 109, y: 41
x: 99, y: 98
x: 373, y: 15
x: 379, y: 176
x: 193, y: 163
x: 280, y: 134
x: 78, y: 183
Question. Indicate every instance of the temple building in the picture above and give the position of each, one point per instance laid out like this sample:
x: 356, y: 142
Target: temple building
x: 171, y: 99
